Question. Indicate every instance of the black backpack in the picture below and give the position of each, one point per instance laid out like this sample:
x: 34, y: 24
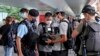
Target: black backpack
x: 68, y: 44
x: 15, y: 27
x: 7, y: 35
x: 29, y: 40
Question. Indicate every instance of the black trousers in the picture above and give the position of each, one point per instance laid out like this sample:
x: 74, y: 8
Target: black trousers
x: 41, y: 53
x: 28, y: 52
x: 60, y: 53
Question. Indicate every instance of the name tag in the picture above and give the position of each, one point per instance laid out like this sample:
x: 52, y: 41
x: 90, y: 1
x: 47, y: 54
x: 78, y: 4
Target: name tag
x: 49, y: 29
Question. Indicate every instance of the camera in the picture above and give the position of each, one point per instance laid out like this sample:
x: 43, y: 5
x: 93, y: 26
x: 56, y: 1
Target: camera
x: 43, y: 38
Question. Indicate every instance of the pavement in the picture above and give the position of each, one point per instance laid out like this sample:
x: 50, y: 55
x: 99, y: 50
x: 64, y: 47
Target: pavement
x: 2, y: 52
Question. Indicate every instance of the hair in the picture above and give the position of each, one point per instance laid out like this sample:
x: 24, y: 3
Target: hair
x: 62, y: 13
x: 57, y: 13
x: 22, y: 10
x: 9, y: 19
x: 33, y: 12
x: 48, y: 14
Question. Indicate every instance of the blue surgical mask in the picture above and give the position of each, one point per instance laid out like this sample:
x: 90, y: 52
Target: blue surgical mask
x: 57, y: 19
x: 23, y: 15
x: 49, y: 22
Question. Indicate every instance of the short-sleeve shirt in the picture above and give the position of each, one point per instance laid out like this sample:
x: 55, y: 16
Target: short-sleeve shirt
x: 22, y: 30
x: 63, y: 26
x: 55, y: 23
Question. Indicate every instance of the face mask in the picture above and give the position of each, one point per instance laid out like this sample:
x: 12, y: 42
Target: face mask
x: 23, y: 15
x: 49, y: 22
x: 51, y: 18
x: 57, y: 19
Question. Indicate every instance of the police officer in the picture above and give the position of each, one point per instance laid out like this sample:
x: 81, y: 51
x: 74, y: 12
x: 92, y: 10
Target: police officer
x: 23, y: 31
x: 45, y: 29
x: 89, y: 14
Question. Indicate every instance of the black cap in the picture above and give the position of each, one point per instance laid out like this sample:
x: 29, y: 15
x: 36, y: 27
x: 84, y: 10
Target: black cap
x: 88, y: 9
x: 33, y: 12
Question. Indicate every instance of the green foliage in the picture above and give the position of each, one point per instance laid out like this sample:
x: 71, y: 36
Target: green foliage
x: 12, y: 11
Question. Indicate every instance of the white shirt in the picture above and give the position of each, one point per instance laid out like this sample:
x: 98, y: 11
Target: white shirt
x: 63, y: 26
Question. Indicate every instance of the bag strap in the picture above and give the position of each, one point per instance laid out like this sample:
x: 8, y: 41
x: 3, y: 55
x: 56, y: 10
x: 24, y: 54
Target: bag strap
x: 83, y: 29
x: 27, y: 25
x: 64, y: 21
x: 68, y: 26
x: 11, y: 30
x: 43, y: 27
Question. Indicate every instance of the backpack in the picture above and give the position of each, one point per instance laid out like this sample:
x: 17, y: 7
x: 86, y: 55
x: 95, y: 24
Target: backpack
x: 7, y: 36
x: 15, y: 26
x: 29, y: 40
x: 45, y: 35
x: 68, y: 43
x: 93, y: 40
